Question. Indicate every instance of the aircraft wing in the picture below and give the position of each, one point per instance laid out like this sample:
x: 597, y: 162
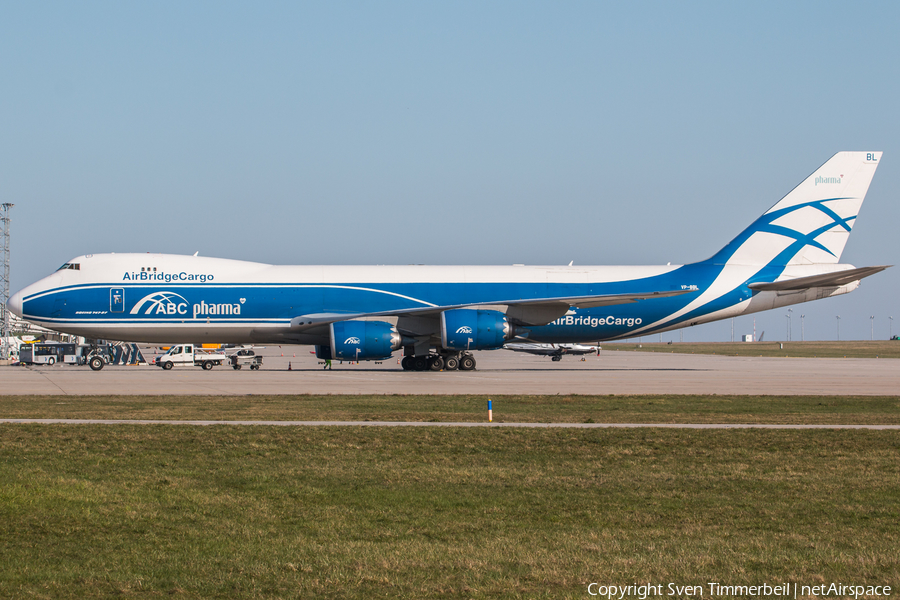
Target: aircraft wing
x: 836, y: 279
x: 531, y: 311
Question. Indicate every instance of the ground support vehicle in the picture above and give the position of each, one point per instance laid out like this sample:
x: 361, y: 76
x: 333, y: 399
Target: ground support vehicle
x: 50, y: 353
x: 245, y: 358
x: 190, y: 355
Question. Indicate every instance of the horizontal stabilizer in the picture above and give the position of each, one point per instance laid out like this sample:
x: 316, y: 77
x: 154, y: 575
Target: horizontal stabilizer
x: 836, y: 279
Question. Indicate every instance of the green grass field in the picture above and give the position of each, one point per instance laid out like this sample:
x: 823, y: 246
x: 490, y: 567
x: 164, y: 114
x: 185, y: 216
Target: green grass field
x: 512, y: 408
x: 851, y: 349
x: 350, y: 512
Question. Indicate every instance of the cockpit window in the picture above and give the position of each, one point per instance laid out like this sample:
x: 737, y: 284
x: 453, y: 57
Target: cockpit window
x: 73, y: 266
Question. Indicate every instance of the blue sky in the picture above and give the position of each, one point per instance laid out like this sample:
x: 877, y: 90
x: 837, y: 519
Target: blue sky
x: 482, y: 133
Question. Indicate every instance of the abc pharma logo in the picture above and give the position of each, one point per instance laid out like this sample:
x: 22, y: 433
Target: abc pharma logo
x: 161, y: 303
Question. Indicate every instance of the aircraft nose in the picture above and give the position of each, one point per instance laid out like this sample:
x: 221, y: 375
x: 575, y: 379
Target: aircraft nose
x: 14, y: 304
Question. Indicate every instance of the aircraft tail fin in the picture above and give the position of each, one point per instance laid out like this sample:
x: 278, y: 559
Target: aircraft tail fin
x: 812, y: 223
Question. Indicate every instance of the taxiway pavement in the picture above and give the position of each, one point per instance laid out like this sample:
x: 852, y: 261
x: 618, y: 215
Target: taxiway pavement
x: 498, y: 372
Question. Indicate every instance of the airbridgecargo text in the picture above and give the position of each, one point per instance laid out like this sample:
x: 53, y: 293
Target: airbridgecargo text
x: 596, y: 321
x: 167, y: 277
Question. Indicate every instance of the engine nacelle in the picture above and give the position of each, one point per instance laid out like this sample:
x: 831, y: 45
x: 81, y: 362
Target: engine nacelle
x: 363, y: 340
x: 470, y: 329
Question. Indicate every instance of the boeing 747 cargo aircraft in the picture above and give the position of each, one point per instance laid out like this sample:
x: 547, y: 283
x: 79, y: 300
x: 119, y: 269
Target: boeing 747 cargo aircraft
x: 438, y: 314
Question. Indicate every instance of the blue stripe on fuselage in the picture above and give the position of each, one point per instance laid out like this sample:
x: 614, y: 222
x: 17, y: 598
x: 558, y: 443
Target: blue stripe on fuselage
x: 279, y: 302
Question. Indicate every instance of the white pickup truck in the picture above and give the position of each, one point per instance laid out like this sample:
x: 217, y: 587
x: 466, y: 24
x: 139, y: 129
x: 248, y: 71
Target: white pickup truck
x: 188, y: 354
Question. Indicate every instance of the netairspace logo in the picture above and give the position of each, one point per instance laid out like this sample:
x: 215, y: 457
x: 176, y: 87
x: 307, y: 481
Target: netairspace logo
x: 716, y: 589
x: 464, y: 329
x: 352, y: 340
x: 168, y: 277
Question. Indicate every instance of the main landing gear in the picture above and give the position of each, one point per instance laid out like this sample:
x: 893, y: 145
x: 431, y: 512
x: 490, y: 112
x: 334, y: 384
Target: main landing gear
x: 439, y: 362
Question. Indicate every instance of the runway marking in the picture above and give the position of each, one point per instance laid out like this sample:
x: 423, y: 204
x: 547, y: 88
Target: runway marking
x: 438, y: 424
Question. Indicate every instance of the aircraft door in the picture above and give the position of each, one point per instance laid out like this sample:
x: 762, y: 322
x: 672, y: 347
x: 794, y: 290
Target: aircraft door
x: 59, y: 305
x: 117, y: 300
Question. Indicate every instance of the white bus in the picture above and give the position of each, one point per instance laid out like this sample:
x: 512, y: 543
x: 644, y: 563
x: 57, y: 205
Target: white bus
x: 50, y: 353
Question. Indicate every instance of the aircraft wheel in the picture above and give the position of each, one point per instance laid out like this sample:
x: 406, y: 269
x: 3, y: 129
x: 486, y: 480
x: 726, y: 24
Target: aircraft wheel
x: 168, y: 365
x: 235, y: 367
x: 96, y: 363
x: 254, y: 367
x: 436, y: 363
x: 420, y: 363
x: 207, y: 366
x: 407, y: 363
x: 556, y: 358
x: 466, y: 363
x: 451, y: 363
x: 51, y: 361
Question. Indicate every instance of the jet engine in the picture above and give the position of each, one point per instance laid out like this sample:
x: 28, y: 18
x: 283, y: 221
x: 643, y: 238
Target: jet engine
x: 363, y: 340
x: 470, y: 329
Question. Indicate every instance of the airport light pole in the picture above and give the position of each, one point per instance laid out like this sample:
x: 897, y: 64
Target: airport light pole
x: 4, y: 280
x: 802, y: 333
x: 790, y: 324
x: 891, y: 334
x: 838, y: 317
x: 872, y: 318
